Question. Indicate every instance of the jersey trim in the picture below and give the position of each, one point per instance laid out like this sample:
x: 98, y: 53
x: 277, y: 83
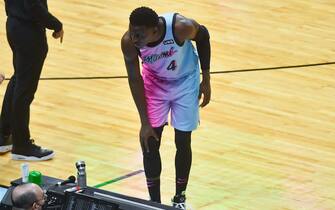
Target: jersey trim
x: 180, y: 44
x: 154, y: 44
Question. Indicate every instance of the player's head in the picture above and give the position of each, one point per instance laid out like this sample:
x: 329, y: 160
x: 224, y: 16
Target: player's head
x: 143, y: 26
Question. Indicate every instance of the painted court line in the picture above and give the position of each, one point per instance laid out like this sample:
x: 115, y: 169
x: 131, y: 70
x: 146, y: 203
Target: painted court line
x: 119, y: 178
x: 212, y: 72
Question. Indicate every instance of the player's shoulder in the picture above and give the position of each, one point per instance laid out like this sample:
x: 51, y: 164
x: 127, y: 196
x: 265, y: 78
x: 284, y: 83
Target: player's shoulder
x: 182, y: 21
x: 127, y: 46
x: 184, y: 26
x: 126, y: 37
x: 126, y: 41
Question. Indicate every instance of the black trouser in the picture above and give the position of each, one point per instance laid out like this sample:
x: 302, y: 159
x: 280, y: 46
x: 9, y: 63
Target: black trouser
x: 29, y: 45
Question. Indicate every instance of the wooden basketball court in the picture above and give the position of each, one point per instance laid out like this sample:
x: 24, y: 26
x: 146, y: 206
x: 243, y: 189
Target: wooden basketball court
x: 266, y: 140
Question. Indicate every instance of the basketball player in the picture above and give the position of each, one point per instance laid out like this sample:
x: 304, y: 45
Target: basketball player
x: 170, y: 82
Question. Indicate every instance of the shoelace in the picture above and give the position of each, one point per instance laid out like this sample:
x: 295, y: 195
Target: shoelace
x: 32, y: 142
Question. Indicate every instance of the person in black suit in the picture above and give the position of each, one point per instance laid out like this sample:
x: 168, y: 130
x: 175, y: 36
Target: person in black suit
x: 26, y: 25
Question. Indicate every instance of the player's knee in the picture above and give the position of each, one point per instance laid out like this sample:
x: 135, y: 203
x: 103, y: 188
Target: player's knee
x: 151, y: 155
x: 153, y: 152
x: 183, y: 140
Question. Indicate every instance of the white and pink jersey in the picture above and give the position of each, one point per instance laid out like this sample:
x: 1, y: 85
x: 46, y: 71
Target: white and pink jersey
x: 166, y: 59
x: 171, y: 80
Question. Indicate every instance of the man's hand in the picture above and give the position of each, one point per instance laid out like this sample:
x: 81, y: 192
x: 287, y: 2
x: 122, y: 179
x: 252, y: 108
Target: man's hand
x: 145, y: 133
x: 58, y: 35
x: 205, y: 90
x: 2, y: 78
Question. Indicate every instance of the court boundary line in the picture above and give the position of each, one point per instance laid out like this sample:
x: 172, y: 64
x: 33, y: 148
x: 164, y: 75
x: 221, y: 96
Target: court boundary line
x: 119, y: 178
x: 274, y: 68
x: 212, y: 72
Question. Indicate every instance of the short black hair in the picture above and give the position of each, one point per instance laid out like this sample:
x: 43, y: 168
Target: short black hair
x: 25, y: 200
x: 143, y: 16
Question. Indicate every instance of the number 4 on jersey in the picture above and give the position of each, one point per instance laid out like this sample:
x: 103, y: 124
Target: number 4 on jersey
x: 172, y: 66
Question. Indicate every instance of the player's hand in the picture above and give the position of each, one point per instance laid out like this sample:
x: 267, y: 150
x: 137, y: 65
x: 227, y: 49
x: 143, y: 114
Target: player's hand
x: 145, y: 133
x: 205, y: 91
x: 58, y: 35
x: 2, y: 78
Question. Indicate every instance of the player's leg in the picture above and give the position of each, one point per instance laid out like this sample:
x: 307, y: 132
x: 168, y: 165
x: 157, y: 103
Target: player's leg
x: 153, y: 166
x: 157, y: 109
x: 183, y: 160
x: 185, y: 119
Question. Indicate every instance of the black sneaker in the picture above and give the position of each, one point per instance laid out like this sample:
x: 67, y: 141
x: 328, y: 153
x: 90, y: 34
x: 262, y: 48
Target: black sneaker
x: 6, y: 143
x: 178, y: 201
x: 31, y: 152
